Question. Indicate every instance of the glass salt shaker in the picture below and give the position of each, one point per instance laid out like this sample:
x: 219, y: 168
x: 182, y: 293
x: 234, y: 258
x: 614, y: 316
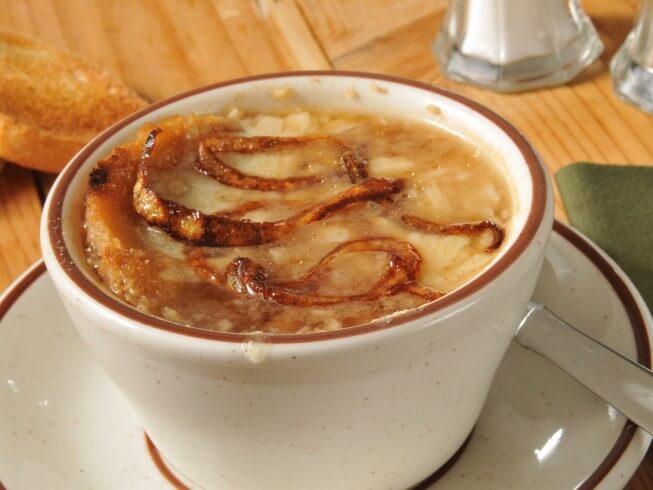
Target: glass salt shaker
x: 513, y: 45
x: 632, y: 66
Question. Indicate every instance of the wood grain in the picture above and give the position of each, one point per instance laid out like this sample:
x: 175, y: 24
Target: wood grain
x: 296, y: 36
x: 344, y: 25
x: 20, y: 211
x: 159, y: 48
x: 163, y: 47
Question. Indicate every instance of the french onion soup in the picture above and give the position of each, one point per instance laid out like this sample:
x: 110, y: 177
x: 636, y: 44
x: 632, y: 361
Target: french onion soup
x: 291, y: 222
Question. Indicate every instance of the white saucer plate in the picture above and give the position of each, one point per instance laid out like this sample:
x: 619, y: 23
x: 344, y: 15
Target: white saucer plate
x: 63, y: 424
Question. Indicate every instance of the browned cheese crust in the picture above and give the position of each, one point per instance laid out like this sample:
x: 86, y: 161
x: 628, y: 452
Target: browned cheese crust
x: 122, y: 202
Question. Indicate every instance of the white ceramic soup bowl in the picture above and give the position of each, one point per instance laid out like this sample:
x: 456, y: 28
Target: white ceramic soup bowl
x: 382, y: 405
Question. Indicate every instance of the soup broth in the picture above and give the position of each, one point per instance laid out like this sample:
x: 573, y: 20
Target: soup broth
x: 292, y: 223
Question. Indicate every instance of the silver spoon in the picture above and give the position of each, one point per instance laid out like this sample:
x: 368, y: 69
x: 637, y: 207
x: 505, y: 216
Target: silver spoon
x: 624, y: 384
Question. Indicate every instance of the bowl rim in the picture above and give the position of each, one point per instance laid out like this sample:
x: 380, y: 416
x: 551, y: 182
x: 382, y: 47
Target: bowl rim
x: 53, y: 220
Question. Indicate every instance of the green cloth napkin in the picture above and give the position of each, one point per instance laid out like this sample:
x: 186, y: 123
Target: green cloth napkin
x: 613, y: 205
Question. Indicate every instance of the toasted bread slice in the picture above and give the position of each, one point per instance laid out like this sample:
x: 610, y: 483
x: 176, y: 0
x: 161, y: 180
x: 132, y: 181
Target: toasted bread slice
x: 53, y: 102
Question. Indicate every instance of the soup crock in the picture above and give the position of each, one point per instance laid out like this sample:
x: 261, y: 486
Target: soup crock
x: 381, y: 405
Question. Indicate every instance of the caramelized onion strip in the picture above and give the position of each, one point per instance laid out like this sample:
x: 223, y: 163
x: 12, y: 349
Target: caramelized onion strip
x: 219, y: 230
x: 486, y: 226
x: 368, y: 190
x: 210, y: 163
x: 247, y: 277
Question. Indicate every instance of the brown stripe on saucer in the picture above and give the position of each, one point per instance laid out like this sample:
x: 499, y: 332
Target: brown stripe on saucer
x: 161, y: 465
x: 19, y: 287
x: 641, y: 342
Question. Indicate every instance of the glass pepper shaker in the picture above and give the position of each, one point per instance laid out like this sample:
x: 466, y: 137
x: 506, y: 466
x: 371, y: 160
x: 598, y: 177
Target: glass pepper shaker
x: 632, y: 66
x: 513, y: 45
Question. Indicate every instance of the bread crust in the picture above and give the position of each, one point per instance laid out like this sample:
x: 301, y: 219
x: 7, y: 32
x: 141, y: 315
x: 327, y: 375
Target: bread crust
x: 53, y: 102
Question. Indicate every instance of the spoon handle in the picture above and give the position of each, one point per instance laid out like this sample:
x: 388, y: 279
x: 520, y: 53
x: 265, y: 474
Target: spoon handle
x: 622, y: 383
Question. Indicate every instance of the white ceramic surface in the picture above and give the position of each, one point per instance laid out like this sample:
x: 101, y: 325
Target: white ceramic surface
x: 64, y: 425
x: 380, y: 409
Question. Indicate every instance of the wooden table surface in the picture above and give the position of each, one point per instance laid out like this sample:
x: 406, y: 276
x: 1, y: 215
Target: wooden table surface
x: 161, y: 47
